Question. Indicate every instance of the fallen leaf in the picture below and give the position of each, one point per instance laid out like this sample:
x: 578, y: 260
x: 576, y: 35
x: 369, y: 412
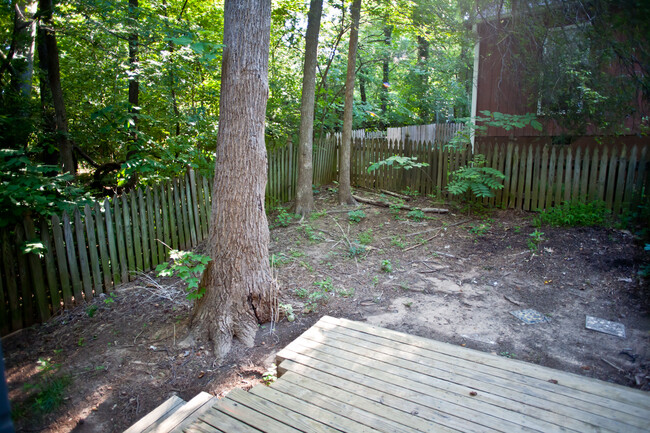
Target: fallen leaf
x: 553, y: 381
x: 473, y: 393
x: 201, y: 374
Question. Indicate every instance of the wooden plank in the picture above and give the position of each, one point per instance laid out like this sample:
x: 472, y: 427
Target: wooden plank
x: 152, y: 417
x: 619, y: 190
x: 120, y: 234
x: 92, y: 250
x: 305, y: 390
x: 195, y: 205
x: 543, y: 181
x: 628, y: 195
x: 159, y: 221
x: 507, y: 171
x: 137, y: 236
x: 177, y: 209
x: 640, y: 178
x: 584, y: 177
x: 308, y: 367
x: 8, y: 264
x: 575, y: 184
x: 602, y: 174
x: 185, y: 214
x: 529, y: 193
x: 592, y: 187
x: 62, y: 262
x: 144, y: 232
x: 191, y: 212
x: 35, y: 270
x: 251, y: 417
x: 50, y: 269
x: 277, y: 412
x: 168, y: 217
x: 548, y: 406
x: 559, y: 185
x: 199, y: 411
x: 611, y: 179
x: 152, y: 221
x: 103, y: 247
x: 182, y: 411
x: 82, y: 251
x: 128, y: 236
x: 521, y: 181
x: 382, y: 410
x: 26, y: 294
x: 568, y: 170
x: 112, y: 244
x: 203, y: 427
x: 483, y: 403
x: 225, y: 423
x: 607, y: 394
x: 72, y: 259
x: 550, y: 182
x: 313, y: 411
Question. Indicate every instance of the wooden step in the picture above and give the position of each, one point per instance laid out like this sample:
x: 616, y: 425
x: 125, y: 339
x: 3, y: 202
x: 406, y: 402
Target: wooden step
x: 191, y: 412
x: 157, y: 415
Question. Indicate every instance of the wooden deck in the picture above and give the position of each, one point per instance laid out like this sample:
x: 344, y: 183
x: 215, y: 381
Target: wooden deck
x: 348, y: 376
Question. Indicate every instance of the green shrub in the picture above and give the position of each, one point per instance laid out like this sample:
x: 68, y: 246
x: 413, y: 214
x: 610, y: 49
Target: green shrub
x: 416, y: 215
x: 188, y: 266
x: 574, y: 214
x: 284, y: 218
x: 476, y: 178
x: 356, y: 216
x: 366, y: 238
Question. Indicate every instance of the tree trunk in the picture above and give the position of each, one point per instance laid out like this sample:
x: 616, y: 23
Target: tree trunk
x: 345, y: 190
x: 304, y: 195
x: 48, y: 54
x: 239, y: 290
x: 388, y: 34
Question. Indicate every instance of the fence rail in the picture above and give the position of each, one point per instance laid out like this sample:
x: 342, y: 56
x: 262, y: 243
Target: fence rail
x: 96, y: 248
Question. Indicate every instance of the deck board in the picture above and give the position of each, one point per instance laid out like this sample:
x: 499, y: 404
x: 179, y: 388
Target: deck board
x: 348, y: 376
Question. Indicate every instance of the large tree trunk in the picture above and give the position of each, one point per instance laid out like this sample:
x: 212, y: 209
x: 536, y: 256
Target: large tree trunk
x: 240, y: 292
x: 304, y: 195
x: 345, y: 190
x: 48, y: 54
x: 385, y: 67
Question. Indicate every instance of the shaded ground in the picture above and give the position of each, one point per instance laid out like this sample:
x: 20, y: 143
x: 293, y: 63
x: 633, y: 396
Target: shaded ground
x: 448, y: 277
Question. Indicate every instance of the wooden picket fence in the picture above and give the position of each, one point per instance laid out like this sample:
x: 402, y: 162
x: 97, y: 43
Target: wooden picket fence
x: 88, y: 253
x: 536, y: 176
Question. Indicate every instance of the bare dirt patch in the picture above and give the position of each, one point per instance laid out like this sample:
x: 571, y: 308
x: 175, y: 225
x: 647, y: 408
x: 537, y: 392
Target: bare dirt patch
x: 451, y: 277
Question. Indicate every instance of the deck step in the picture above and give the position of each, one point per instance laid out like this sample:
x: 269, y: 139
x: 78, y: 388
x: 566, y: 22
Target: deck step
x: 157, y: 415
x: 191, y: 412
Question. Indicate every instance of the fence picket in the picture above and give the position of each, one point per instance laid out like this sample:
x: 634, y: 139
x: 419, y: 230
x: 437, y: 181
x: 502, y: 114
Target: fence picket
x: 195, y: 206
x: 128, y: 236
x: 592, y: 190
x: 92, y: 250
x: 120, y: 235
x: 543, y: 179
x: 550, y: 181
x: 65, y: 274
x: 177, y: 208
x: 144, y: 231
x: 559, y: 176
x: 103, y: 250
x: 190, y: 211
x: 8, y: 255
x: 629, y: 180
x: 137, y: 236
x: 112, y: 244
x: 75, y: 276
x: 160, y: 221
x: 23, y: 276
x: 151, y: 227
x: 620, y: 181
x: 575, y: 190
x: 82, y: 251
x: 584, y: 176
x: 50, y: 270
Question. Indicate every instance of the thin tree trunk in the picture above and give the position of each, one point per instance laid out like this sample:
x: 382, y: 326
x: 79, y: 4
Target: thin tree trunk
x: 239, y: 290
x: 388, y: 33
x: 345, y: 190
x: 49, y: 61
x: 304, y: 195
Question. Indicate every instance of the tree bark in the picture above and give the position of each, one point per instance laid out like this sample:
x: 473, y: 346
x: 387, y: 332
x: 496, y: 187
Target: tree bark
x: 134, y: 90
x: 345, y: 190
x: 239, y: 289
x: 48, y: 54
x: 304, y: 204
x: 385, y: 67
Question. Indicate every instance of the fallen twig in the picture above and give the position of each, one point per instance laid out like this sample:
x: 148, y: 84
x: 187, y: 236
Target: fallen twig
x: 398, y: 206
x: 613, y: 365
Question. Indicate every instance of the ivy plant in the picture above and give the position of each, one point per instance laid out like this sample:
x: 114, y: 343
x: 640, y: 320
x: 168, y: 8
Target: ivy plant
x: 188, y: 266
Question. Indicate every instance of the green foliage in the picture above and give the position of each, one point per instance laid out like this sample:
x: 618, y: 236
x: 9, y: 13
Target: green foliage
x: 325, y: 285
x: 387, y: 266
x: 480, y: 229
x: 397, y: 162
x: 188, y: 266
x: 535, y: 238
x: 287, y: 311
x: 574, y: 214
x: 309, y: 233
x: 355, y: 216
x: 398, y: 242
x: 27, y: 187
x: 477, y: 178
x: 284, y: 218
x: 356, y: 249
x: 278, y: 260
x: 416, y: 215
x: 47, y: 393
x: 366, y: 237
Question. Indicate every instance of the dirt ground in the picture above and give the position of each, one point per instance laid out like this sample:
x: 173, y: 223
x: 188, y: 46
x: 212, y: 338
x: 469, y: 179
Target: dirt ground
x: 450, y: 277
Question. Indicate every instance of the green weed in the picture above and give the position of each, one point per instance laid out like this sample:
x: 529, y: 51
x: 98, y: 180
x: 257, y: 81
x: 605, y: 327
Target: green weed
x: 535, y: 238
x: 574, y: 214
x: 386, y: 266
x: 355, y: 216
x: 416, y: 215
x: 366, y: 238
x: 188, y: 266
